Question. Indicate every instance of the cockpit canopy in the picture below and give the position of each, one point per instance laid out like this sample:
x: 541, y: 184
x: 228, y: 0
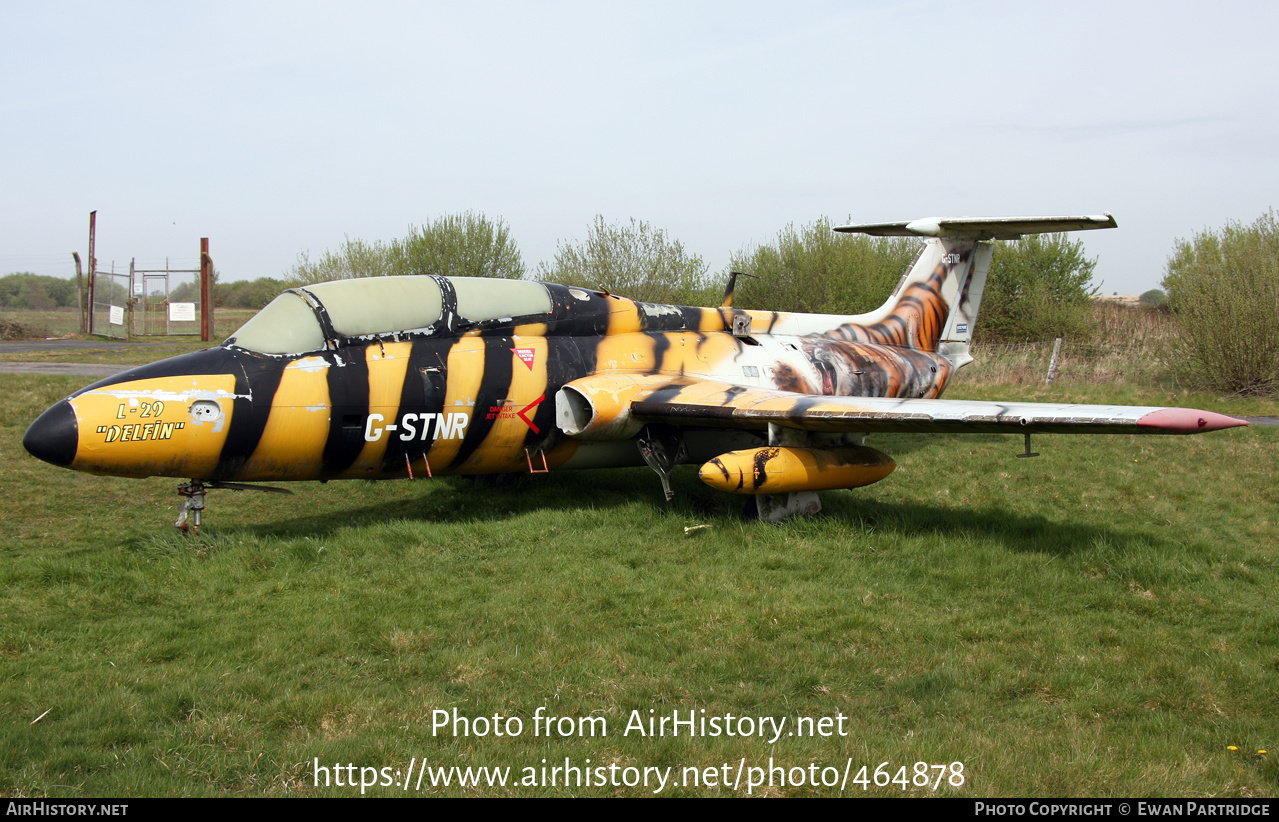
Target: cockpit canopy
x: 379, y: 306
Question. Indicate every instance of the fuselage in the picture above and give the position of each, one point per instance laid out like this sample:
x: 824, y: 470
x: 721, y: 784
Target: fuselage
x: 411, y: 376
x: 463, y: 394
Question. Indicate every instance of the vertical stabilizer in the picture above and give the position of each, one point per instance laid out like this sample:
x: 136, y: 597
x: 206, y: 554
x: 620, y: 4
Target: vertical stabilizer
x: 934, y: 308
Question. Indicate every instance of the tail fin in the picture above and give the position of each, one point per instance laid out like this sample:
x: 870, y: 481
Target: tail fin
x: 934, y: 307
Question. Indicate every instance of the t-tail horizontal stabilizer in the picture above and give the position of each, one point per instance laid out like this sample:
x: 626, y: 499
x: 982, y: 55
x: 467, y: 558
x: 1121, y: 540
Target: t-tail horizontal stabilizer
x: 981, y: 228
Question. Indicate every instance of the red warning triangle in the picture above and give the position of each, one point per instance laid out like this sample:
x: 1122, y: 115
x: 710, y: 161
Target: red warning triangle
x: 526, y: 355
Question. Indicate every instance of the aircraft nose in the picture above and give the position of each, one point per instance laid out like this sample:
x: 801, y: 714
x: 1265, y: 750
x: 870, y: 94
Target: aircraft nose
x: 54, y: 435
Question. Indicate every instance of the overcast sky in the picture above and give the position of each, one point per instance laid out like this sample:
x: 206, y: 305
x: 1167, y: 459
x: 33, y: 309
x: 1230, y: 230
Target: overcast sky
x: 277, y: 128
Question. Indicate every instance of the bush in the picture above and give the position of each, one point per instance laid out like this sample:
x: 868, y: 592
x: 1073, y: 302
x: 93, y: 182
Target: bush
x: 354, y: 258
x: 1223, y: 288
x: 632, y: 260
x: 248, y: 293
x: 455, y: 245
x: 812, y: 269
x: 1154, y: 298
x: 458, y: 245
x: 1039, y: 288
x: 36, y: 291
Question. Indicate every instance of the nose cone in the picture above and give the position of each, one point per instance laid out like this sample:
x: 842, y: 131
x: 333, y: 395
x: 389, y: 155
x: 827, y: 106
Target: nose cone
x: 54, y: 435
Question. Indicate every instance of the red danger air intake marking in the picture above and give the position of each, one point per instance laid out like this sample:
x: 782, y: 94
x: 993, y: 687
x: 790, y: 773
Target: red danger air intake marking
x: 524, y: 411
x: 526, y: 355
x: 504, y: 412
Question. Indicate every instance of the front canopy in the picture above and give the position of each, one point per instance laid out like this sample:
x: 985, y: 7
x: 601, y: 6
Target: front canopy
x: 375, y: 306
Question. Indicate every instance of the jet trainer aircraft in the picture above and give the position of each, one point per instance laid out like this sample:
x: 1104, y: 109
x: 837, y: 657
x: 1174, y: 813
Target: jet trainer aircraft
x: 403, y: 377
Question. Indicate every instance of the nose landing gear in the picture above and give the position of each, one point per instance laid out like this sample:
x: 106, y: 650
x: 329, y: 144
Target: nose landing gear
x: 192, y: 508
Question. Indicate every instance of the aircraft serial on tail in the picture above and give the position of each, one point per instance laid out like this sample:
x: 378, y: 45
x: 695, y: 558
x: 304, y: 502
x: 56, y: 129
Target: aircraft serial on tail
x: 423, y: 376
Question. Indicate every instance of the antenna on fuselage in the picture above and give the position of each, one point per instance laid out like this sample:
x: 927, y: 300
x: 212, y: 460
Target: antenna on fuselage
x: 732, y: 284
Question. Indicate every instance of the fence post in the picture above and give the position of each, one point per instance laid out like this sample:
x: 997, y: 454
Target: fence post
x: 206, y: 291
x: 79, y: 291
x: 131, y: 302
x: 1052, y: 364
x: 91, y: 291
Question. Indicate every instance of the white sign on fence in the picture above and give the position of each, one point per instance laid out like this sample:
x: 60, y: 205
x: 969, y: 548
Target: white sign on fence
x: 181, y: 312
x: 116, y: 315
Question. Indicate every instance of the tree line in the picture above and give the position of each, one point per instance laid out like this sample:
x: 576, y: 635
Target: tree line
x: 36, y: 291
x: 1222, y: 287
x: 1038, y: 286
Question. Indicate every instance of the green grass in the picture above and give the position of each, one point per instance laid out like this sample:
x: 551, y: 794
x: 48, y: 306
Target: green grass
x: 1098, y: 621
x: 134, y: 354
x: 58, y: 322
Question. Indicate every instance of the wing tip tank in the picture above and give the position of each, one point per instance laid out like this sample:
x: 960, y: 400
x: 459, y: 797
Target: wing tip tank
x: 1188, y: 421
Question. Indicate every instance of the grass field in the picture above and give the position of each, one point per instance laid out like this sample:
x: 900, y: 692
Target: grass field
x: 58, y: 322
x: 1099, y: 621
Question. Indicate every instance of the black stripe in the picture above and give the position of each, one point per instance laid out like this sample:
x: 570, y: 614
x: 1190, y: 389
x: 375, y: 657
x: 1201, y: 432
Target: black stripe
x: 209, y: 361
x: 348, y: 409
x: 425, y: 353
x: 563, y: 365
x: 692, y: 317
x: 661, y: 344
x: 587, y: 349
x: 258, y: 377
x: 495, y: 385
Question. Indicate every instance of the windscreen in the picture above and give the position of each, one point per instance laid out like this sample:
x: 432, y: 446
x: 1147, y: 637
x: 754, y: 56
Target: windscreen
x: 286, y: 326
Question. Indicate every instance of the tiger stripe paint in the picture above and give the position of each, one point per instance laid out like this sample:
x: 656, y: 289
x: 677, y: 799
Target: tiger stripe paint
x: 467, y: 360
x: 297, y: 427
x: 577, y: 379
x: 148, y: 422
x: 326, y: 415
x: 512, y: 415
x: 781, y: 470
x: 388, y: 364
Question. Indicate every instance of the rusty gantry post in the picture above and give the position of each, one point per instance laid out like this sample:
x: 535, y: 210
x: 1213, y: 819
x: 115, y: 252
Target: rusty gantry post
x: 206, y: 291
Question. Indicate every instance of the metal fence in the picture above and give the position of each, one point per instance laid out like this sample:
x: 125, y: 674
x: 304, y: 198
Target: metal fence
x: 166, y: 301
x: 146, y: 302
x: 1076, y: 362
x: 110, y: 312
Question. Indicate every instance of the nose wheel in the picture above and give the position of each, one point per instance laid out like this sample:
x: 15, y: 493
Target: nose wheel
x: 191, y: 511
x: 192, y: 507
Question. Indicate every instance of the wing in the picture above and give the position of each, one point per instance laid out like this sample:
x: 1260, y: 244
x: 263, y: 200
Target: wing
x: 614, y: 405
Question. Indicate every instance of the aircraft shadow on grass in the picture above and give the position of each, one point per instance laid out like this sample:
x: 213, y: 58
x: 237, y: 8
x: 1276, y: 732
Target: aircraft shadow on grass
x: 847, y: 515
